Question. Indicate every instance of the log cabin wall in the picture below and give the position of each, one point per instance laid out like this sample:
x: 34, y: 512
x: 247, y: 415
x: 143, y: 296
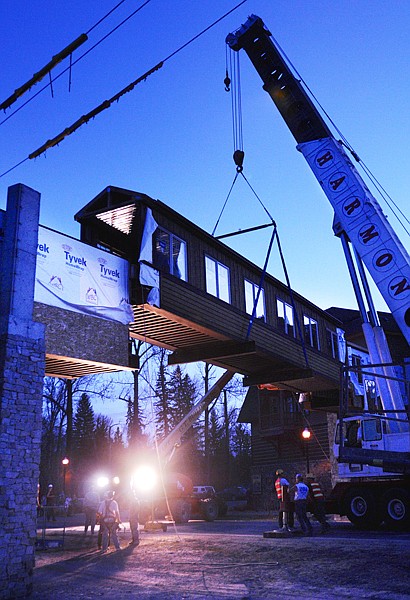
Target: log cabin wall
x: 200, y: 244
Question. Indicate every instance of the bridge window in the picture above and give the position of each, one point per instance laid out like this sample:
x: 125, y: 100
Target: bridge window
x: 311, y: 332
x: 217, y: 279
x: 331, y: 343
x: 285, y: 317
x: 169, y: 253
x: 251, y: 292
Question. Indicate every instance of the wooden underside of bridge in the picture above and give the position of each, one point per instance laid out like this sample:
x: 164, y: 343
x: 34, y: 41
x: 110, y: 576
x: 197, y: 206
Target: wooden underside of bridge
x: 194, y: 331
x: 72, y: 368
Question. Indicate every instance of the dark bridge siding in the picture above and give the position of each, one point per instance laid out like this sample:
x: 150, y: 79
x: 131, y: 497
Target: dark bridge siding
x: 201, y: 308
x: 189, y: 320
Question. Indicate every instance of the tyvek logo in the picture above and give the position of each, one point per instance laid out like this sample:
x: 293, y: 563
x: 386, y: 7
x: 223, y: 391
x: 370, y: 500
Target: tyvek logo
x: 56, y: 282
x: 106, y: 272
x: 91, y: 296
x: 43, y: 249
x: 71, y: 259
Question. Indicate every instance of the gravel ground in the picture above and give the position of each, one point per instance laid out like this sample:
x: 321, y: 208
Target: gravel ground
x: 178, y: 565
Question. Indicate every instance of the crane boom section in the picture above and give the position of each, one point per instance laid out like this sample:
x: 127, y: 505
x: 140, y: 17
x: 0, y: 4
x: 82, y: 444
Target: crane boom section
x: 173, y: 440
x: 357, y: 212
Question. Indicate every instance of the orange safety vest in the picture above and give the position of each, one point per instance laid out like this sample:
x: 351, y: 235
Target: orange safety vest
x: 278, y: 488
x: 316, y: 491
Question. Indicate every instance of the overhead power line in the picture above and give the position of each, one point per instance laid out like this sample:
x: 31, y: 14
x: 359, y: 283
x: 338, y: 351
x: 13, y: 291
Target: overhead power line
x: 93, y: 113
x: 35, y: 79
x: 43, y: 72
x: 107, y: 103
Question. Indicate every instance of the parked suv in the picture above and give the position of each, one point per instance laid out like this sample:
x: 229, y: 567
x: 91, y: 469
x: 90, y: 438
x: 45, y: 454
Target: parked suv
x: 214, y: 503
x: 204, y: 491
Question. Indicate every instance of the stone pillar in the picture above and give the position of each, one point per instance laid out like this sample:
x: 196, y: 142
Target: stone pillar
x: 22, y: 363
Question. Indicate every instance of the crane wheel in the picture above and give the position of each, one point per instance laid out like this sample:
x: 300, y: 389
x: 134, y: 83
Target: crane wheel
x: 361, y: 508
x: 396, y: 508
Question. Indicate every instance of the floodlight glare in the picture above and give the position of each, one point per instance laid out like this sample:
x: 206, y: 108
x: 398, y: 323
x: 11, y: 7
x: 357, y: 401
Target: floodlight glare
x: 116, y: 480
x: 102, y: 481
x: 145, y: 479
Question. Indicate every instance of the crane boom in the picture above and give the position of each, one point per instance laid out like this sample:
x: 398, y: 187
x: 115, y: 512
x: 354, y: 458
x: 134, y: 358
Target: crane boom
x: 173, y: 440
x: 358, y: 214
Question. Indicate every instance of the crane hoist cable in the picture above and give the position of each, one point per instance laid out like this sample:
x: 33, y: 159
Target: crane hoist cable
x: 234, y: 86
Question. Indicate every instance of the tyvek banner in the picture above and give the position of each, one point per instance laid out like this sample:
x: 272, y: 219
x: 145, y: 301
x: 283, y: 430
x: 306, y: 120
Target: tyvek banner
x: 77, y: 277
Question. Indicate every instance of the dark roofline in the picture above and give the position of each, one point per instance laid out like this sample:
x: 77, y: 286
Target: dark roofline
x: 352, y: 322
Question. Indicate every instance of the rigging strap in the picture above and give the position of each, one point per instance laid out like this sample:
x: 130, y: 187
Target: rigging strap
x: 262, y: 279
x: 226, y: 200
x: 299, y: 328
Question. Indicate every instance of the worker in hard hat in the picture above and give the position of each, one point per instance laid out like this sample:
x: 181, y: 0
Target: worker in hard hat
x: 285, y: 515
x: 301, y: 495
x: 316, y: 502
x: 50, y: 502
x: 109, y: 520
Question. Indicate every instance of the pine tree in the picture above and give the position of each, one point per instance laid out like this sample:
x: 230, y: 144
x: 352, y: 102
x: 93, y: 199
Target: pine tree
x: 102, y: 440
x: 182, y: 395
x: 83, y: 448
x: 217, y: 449
x: 163, y: 410
x: 241, y: 449
x: 83, y: 431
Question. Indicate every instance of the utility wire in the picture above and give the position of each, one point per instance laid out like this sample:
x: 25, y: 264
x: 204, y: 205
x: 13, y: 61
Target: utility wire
x: 43, y: 72
x: 205, y: 30
x: 93, y: 113
x: 15, y: 167
x: 107, y: 103
x: 82, y: 56
x: 105, y: 16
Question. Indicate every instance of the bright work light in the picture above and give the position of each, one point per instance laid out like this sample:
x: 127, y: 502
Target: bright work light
x: 102, y: 481
x: 144, y: 479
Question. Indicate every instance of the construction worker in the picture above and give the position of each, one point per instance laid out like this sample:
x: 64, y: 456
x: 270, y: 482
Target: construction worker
x: 109, y: 521
x: 317, y: 502
x: 301, y: 495
x: 134, y: 512
x: 285, y: 515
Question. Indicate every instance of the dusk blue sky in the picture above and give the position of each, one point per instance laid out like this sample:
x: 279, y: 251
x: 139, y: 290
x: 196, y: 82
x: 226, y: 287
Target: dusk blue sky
x: 171, y: 137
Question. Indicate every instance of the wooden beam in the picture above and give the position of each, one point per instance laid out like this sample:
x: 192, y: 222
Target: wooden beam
x: 209, y: 352
x: 275, y: 376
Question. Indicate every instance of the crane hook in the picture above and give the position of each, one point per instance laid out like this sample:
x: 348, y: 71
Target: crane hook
x: 227, y: 82
x: 238, y: 157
